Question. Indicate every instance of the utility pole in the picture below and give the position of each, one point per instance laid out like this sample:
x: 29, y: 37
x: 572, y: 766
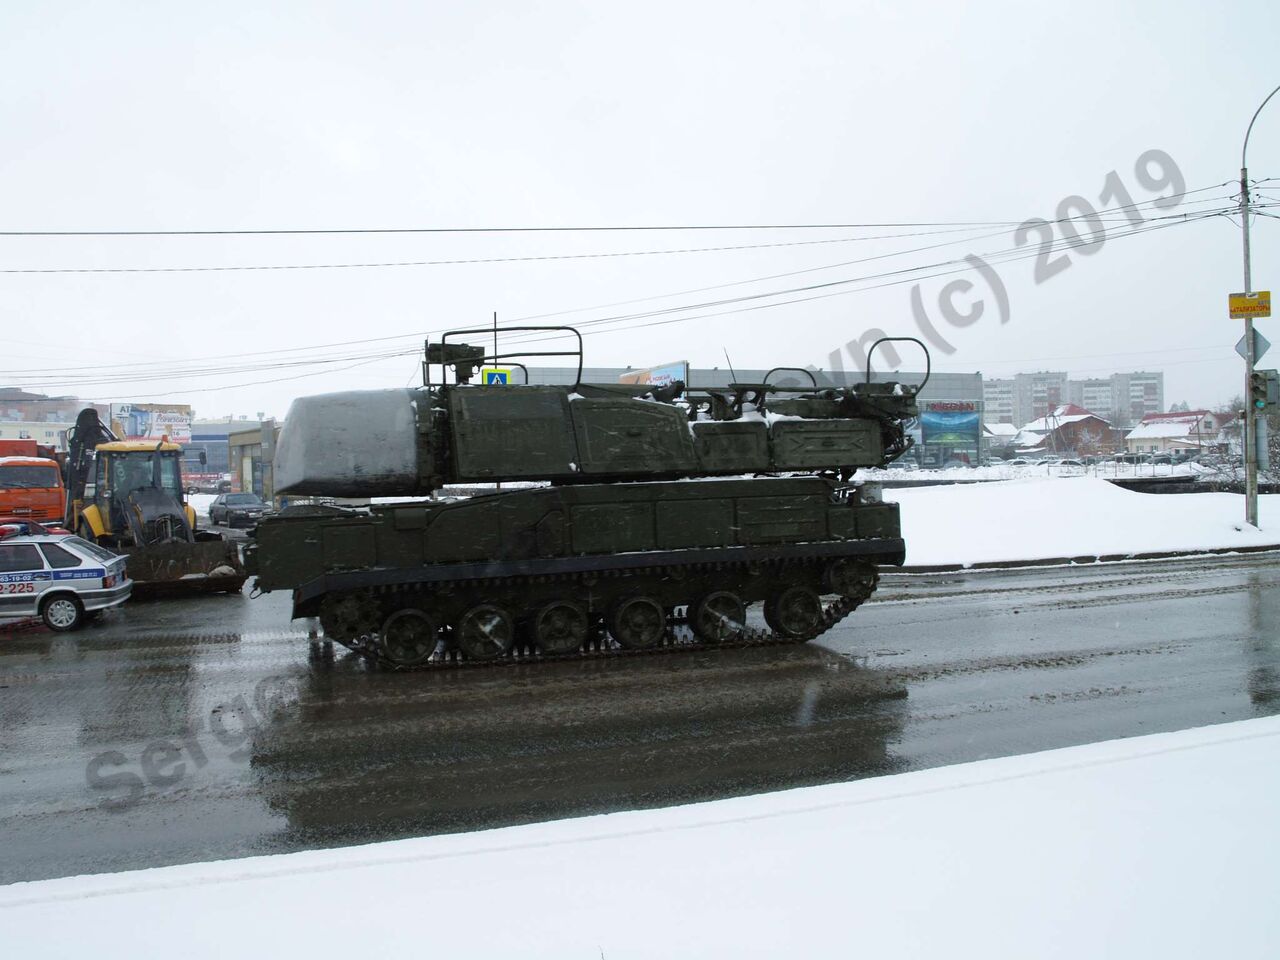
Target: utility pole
x: 1250, y: 415
x: 498, y: 485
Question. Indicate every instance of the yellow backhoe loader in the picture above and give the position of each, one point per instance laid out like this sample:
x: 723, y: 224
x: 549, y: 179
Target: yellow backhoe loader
x: 129, y: 495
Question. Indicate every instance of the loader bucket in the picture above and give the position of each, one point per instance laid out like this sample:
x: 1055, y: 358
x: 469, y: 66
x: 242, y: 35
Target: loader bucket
x: 182, y: 569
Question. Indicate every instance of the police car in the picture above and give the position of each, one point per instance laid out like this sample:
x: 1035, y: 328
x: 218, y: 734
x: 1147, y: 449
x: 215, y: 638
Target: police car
x: 56, y: 576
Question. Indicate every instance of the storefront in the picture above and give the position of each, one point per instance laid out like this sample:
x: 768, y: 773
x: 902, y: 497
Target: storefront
x: 951, y: 432
x: 250, y: 453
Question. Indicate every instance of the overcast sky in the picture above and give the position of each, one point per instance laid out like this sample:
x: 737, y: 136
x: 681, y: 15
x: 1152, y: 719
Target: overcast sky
x: 236, y: 116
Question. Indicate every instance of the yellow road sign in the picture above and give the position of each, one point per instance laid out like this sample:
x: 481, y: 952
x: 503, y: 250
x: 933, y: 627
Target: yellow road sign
x: 1245, y: 305
x: 495, y: 376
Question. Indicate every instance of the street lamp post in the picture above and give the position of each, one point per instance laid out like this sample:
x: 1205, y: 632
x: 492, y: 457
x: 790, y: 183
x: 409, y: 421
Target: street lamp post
x: 1250, y: 415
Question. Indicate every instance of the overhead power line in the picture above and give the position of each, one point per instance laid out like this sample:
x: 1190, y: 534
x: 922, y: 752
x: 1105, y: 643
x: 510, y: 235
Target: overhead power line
x: 593, y: 228
x: 349, y: 231
x: 174, y: 367
x: 141, y: 372
x: 1097, y: 216
x: 164, y: 370
x: 474, y: 260
x: 618, y: 323
x: 790, y: 273
x: 892, y: 277
x: 36, y: 378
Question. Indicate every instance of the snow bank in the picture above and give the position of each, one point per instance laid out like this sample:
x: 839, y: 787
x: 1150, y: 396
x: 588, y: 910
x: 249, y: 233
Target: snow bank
x: 1069, y: 517
x: 1162, y: 846
x: 200, y: 503
x: 1030, y: 471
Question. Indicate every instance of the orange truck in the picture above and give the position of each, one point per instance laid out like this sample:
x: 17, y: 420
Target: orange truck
x: 30, y: 483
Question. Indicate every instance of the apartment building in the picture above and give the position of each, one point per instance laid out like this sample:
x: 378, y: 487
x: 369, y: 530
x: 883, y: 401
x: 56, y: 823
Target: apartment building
x: 1122, y: 399
x: 998, y: 401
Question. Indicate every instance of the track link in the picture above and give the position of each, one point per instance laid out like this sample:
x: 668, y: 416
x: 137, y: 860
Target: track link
x: 678, y: 637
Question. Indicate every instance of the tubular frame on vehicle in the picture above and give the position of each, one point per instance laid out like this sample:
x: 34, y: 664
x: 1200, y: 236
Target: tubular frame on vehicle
x: 495, y: 356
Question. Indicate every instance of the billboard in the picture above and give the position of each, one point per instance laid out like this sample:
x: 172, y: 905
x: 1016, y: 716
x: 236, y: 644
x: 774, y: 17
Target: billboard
x: 660, y: 376
x: 153, y: 421
x: 952, y: 423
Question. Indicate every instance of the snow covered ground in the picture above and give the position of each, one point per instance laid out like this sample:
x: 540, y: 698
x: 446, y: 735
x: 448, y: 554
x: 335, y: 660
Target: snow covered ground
x: 200, y: 503
x: 1190, y: 471
x: 1070, y: 517
x: 1154, y: 847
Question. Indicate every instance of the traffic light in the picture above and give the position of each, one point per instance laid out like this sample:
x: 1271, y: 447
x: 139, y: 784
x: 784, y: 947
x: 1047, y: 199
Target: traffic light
x: 1258, y: 398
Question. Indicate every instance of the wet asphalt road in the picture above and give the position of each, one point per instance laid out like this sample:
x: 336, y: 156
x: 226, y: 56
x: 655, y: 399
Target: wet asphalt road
x: 212, y: 728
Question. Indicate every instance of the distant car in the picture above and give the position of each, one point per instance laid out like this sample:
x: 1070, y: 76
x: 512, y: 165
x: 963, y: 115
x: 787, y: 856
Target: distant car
x: 902, y: 465
x: 1019, y: 462
x: 237, y: 509
x: 1069, y: 462
x: 993, y: 461
x: 1163, y: 459
x: 57, y: 577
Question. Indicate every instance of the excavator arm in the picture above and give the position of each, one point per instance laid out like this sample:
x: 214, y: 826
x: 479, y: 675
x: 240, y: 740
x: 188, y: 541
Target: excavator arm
x: 82, y: 440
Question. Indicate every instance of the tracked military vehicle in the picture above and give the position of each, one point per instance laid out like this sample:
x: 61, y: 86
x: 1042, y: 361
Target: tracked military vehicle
x: 641, y: 517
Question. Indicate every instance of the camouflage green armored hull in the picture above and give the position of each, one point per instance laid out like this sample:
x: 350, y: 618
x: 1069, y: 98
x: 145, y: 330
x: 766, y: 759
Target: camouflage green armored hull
x: 651, y: 517
x: 555, y: 568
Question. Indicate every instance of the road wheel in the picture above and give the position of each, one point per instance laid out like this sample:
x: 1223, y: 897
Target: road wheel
x: 638, y: 623
x: 408, y: 637
x: 62, y: 612
x: 718, y: 617
x: 851, y: 578
x: 346, y: 617
x: 794, y: 613
x: 561, y: 627
x: 485, y: 632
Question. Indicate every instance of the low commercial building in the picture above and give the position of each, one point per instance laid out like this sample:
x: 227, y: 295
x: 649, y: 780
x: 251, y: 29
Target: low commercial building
x: 210, y: 438
x: 44, y: 432
x: 1000, y: 438
x: 250, y: 453
x: 18, y: 405
x: 1192, y: 431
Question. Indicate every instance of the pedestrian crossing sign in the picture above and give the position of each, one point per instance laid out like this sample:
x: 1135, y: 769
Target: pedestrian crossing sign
x: 496, y: 376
